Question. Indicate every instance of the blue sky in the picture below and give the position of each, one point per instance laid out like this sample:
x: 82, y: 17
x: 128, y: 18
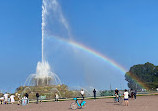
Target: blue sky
x: 123, y: 30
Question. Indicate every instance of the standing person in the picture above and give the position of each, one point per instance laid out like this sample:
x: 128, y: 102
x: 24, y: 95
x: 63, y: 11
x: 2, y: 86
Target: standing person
x: 132, y: 93
x: 82, y: 93
x: 135, y: 94
x: 126, y: 97
x: 37, y: 96
x: 12, y: 100
x: 117, y: 94
x: 27, y: 95
x: 6, y: 98
x: 19, y: 99
x: 94, y: 92
x: 56, y: 97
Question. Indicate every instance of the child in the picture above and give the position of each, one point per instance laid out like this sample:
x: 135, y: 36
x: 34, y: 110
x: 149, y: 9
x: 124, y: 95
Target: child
x: 126, y: 97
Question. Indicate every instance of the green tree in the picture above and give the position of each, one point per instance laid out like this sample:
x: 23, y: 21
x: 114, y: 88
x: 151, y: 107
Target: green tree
x: 147, y: 74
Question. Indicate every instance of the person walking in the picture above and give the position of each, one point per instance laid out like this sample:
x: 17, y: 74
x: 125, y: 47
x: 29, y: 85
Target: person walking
x: 37, y: 96
x: 94, y: 92
x: 6, y: 98
x: 12, y: 100
x: 126, y: 97
x: 82, y: 93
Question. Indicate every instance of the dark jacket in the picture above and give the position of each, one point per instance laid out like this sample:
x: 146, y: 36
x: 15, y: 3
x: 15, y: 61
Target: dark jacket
x: 37, y: 95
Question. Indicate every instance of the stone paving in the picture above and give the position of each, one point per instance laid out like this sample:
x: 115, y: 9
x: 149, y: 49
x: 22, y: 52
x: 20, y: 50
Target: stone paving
x: 142, y: 103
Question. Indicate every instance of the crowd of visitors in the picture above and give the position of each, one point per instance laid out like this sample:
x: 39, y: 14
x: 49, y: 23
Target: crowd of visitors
x: 10, y: 98
x: 7, y: 98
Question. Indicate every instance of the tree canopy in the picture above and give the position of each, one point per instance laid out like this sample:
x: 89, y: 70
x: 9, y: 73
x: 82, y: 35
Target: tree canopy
x: 144, y: 74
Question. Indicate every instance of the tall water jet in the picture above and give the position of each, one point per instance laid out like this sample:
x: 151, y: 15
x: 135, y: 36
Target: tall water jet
x: 44, y: 75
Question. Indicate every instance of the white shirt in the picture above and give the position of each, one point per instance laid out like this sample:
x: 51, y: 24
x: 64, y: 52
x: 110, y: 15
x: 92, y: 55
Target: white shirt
x: 12, y: 98
x: 57, y: 96
x: 6, y: 96
x: 82, y: 92
x: 126, y: 95
x: 25, y: 97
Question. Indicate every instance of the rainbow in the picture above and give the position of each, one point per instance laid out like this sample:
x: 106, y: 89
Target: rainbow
x: 100, y: 56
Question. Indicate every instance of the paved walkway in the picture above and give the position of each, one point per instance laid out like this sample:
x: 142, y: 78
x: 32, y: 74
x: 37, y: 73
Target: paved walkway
x: 142, y: 103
